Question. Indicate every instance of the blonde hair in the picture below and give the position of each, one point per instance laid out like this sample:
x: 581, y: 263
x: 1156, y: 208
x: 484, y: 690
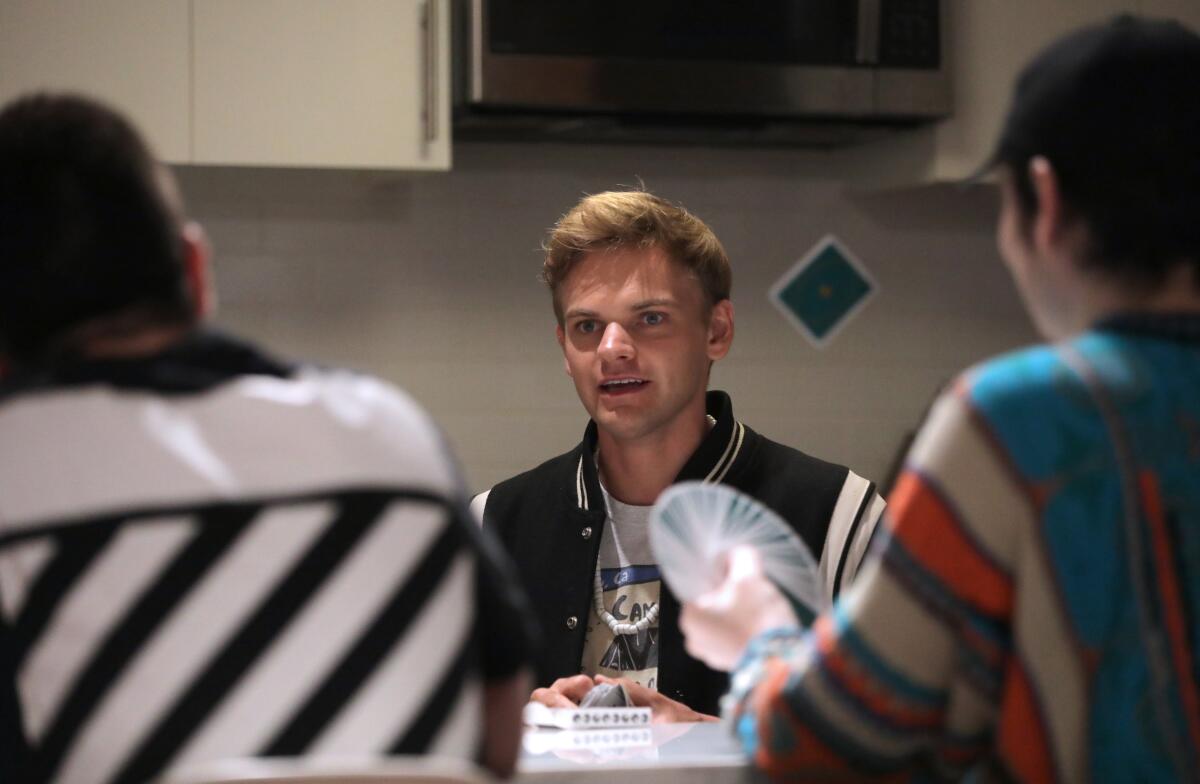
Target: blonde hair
x: 635, y: 219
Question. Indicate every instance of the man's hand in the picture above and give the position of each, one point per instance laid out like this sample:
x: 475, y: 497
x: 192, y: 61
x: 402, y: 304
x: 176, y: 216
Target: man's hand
x: 564, y: 692
x: 663, y: 709
x: 719, y: 624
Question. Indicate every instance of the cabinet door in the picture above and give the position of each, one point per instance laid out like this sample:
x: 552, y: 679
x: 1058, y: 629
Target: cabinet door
x: 131, y: 54
x: 322, y: 83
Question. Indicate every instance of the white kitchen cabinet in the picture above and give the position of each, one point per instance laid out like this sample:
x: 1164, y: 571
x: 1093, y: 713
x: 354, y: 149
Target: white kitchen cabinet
x: 133, y: 54
x: 321, y: 83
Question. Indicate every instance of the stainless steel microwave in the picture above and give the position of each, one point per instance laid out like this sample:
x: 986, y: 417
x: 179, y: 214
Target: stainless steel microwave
x: 705, y: 60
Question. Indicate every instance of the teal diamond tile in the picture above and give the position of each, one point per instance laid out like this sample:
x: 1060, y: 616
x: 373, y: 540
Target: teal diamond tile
x: 823, y: 291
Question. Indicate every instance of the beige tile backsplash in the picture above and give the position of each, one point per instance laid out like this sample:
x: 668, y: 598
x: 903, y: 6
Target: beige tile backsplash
x: 430, y: 281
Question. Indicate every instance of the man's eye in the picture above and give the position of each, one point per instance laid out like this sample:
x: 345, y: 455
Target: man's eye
x: 653, y: 318
x: 586, y: 327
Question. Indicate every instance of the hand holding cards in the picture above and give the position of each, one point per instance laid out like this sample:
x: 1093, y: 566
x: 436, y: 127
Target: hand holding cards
x: 694, y: 527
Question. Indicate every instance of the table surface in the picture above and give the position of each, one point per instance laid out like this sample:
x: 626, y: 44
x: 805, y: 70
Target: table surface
x: 660, y: 754
x: 698, y: 753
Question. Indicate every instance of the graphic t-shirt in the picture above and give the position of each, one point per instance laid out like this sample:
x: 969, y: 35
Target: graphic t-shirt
x: 630, y: 585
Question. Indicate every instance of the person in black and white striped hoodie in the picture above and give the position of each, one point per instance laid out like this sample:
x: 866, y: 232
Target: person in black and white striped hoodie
x: 206, y: 552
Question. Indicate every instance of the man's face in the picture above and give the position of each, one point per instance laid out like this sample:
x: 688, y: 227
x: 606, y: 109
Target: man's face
x: 637, y: 339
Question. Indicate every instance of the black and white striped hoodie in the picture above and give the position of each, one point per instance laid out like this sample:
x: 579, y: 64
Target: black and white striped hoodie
x: 208, y: 553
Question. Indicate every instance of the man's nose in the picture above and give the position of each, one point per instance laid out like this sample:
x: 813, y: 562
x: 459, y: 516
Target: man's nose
x: 615, y: 344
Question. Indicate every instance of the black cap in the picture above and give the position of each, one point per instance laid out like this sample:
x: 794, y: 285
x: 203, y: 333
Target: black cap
x: 1115, y: 104
x: 1115, y: 108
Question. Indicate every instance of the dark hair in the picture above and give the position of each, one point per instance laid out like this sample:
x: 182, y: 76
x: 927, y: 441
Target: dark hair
x: 1115, y: 108
x: 88, y: 224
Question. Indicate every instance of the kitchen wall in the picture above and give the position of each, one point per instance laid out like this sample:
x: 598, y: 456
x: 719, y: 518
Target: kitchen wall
x: 430, y: 281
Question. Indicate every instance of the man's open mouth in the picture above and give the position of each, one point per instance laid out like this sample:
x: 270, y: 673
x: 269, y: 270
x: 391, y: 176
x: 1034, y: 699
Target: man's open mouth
x: 618, y: 386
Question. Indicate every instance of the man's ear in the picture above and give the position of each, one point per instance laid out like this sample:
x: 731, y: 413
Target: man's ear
x: 562, y: 344
x: 1049, y: 220
x: 720, y: 330
x: 196, y: 271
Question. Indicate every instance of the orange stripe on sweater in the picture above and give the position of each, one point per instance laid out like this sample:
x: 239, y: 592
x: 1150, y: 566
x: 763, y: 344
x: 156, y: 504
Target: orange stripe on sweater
x: 807, y: 755
x: 929, y: 531
x: 1021, y: 737
x: 858, y: 681
x: 1172, y: 601
x: 800, y: 751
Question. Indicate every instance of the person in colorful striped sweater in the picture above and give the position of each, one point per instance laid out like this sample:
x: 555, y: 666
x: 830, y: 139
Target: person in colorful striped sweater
x: 1029, y: 609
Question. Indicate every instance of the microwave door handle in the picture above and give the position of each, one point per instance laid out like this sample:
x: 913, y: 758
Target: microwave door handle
x: 866, y: 51
x: 429, y: 30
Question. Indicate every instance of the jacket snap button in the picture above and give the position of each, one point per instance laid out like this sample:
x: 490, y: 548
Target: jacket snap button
x: 586, y: 533
x: 572, y: 622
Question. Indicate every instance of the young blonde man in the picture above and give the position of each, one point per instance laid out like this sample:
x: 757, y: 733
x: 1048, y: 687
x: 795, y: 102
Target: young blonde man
x: 641, y: 290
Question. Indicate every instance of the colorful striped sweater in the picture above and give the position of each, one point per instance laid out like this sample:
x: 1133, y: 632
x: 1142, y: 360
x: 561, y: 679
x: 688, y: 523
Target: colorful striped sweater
x: 997, y: 628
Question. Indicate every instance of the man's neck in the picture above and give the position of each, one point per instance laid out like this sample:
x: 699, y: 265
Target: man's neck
x: 636, y: 471
x: 1179, y: 293
x: 125, y: 336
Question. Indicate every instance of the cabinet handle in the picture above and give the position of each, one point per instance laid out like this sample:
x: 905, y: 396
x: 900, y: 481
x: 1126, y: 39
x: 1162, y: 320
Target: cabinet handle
x: 867, y: 46
x: 429, y: 28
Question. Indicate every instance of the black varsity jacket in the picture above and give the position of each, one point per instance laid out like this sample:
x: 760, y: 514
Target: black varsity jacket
x: 551, y: 520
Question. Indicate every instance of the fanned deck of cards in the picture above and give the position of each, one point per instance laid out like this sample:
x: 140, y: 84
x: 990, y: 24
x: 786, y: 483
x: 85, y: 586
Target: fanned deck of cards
x: 694, y: 526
